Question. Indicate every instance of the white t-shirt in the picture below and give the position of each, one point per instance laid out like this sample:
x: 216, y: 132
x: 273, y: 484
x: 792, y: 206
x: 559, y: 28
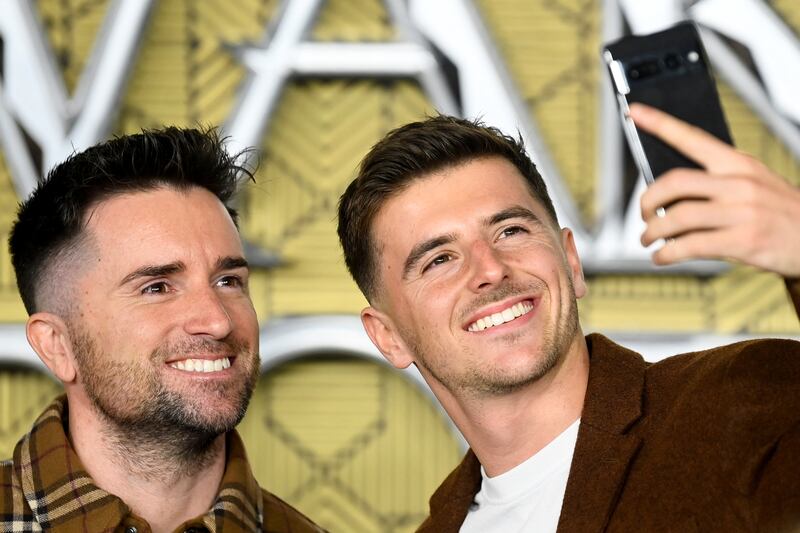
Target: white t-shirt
x: 529, y: 496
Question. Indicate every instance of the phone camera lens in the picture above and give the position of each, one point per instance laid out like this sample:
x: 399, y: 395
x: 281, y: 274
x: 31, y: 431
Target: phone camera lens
x: 644, y: 69
x: 672, y: 61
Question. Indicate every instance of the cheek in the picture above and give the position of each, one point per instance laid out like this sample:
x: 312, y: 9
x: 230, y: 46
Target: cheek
x: 244, y: 317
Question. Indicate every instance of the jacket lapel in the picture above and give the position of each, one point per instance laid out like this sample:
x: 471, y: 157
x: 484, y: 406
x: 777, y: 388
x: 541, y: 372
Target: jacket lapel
x: 451, y: 501
x: 605, y: 448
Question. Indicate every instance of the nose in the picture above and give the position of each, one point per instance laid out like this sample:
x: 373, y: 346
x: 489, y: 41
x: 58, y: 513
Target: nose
x: 488, y: 267
x: 206, y: 314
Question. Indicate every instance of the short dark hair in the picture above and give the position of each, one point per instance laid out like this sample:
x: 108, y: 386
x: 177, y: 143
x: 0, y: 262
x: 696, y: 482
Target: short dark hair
x: 411, y: 152
x: 51, y: 220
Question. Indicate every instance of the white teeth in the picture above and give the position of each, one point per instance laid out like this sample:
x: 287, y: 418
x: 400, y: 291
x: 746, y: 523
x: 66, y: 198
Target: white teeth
x: 202, y: 365
x: 506, y: 315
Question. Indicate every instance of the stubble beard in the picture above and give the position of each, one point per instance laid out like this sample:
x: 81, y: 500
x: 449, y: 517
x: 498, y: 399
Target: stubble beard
x: 477, y: 381
x: 160, y: 434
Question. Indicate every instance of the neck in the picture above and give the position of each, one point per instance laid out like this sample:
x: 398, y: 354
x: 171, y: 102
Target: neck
x: 163, y: 477
x: 504, y: 430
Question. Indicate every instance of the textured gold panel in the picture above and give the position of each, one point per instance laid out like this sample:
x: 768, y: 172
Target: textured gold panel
x: 11, y: 309
x: 789, y: 11
x: 320, y: 131
x: 353, y: 20
x: 351, y: 443
x: 551, y: 50
x: 24, y: 394
x: 187, y: 72
x: 71, y: 26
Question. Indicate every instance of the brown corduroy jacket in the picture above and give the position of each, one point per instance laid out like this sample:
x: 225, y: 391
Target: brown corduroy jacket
x: 707, y: 441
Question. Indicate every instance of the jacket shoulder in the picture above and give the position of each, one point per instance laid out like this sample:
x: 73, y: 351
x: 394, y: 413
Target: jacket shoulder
x: 759, y: 362
x: 752, y: 384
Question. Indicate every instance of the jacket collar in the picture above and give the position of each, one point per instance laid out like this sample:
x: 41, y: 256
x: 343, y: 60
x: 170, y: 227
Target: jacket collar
x: 605, y: 446
x: 603, y: 452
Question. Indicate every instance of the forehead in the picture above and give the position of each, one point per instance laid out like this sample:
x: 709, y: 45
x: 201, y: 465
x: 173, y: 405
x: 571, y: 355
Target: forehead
x: 163, y: 224
x: 444, y: 200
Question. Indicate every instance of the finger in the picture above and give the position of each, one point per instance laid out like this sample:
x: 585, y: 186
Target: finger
x: 708, y: 244
x: 686, y: 217
x: 680, y: 184
x: 695, y: 143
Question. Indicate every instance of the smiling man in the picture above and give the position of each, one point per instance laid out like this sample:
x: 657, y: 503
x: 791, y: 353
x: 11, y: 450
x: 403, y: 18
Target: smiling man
x: 129, y: 262
x: 450, y: 233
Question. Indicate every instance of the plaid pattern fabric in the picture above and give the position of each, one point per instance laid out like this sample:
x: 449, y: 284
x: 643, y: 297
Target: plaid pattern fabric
x: 44, y: 487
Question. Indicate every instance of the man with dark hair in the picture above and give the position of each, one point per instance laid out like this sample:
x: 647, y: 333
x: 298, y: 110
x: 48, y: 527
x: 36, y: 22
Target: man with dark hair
x: 129, y: 262
x: 449, y: 232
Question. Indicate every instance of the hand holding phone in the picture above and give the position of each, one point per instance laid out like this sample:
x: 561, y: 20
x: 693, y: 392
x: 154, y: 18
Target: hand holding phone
x: 732, y: 207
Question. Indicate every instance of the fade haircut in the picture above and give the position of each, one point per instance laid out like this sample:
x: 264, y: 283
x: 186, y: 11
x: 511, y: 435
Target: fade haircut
x: 50, y: 223
x: 409, y: 153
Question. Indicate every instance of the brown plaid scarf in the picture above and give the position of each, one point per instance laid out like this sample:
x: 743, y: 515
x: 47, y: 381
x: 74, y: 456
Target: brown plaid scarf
x: 45, y: 487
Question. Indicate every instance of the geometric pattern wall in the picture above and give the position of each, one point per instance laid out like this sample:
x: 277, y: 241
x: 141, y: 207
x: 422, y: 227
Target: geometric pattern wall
x: 24, y: 394
x: 352, y: 443
x: 349, y: 442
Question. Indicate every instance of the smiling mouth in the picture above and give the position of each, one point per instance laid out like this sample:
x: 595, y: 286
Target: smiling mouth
x: 502, y: 317
x: 202, y: 365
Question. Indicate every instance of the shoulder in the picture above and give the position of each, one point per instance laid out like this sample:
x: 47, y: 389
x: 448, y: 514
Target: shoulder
x: 753, y: 364
x: 751, y: 386
x: 280, y: 517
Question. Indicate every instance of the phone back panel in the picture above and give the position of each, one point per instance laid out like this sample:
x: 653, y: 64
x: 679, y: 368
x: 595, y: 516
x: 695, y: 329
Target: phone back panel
x: 669, y: 70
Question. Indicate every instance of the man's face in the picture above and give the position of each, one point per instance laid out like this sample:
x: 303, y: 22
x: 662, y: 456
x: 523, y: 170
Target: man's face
x: 163, y: 329
x: 475, y: 281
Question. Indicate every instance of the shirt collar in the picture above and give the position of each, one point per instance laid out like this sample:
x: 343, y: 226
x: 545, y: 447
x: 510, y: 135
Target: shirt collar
x: 61, y: 494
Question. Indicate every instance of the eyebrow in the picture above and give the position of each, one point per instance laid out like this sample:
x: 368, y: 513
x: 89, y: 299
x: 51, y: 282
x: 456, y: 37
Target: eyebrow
x: 418, y: 251
x: 155, y: 271
x: 513, y: 212
x: 423, y: 248
x: 229, y: 263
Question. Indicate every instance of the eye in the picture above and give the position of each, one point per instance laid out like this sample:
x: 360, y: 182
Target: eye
x: 230, y: 281
x: 436, y: 261
x: 511, y: 231
x: 159, y: 287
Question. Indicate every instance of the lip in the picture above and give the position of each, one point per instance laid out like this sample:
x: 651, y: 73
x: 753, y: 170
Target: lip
x: 498, y: 307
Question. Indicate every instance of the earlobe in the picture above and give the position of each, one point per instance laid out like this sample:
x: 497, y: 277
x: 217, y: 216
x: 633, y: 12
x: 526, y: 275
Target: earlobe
x: 48, y: 335
x: 383, y: 335
x: 574, y: 262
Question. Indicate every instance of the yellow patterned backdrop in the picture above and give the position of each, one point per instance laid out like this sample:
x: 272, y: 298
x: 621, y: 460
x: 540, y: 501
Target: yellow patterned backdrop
x: 355, y: 445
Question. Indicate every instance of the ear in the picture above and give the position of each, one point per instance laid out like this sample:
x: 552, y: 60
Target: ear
x: 48, y: 335
x: 384, y: 336
x: 574, y: 262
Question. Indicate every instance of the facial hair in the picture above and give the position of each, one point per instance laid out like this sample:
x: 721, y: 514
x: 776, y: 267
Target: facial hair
x: 488, y: 381
x: 159, y: 434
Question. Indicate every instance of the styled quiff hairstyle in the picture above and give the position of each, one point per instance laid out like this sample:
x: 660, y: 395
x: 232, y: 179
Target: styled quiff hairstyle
x: 412, y: 152
x: 50, y: 223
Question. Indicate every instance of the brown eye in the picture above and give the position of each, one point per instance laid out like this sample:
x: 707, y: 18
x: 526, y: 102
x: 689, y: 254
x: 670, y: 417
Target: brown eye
x: 230, y: 281
x: 511, y: 231
x: 436, y: 261
x: 155, y: 288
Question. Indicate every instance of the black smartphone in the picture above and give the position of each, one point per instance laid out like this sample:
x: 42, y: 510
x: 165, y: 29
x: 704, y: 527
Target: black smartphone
x: 668, y: 70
